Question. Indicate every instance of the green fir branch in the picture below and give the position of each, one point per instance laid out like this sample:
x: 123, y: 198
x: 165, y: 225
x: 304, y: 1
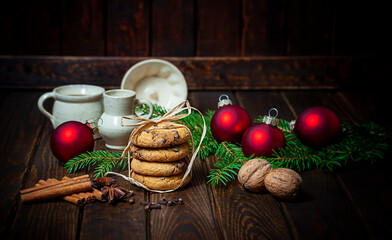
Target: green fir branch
x: 231, y: 159
x: 99, y: 157
x: 159, y: 111
x: 108, y: 164
x: 358, y: 142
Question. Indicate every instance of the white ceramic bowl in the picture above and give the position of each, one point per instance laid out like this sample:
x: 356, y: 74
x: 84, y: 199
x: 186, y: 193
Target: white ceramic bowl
x: 158, y: 81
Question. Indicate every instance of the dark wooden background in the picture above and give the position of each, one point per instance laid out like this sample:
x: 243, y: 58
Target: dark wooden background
x: 261, y: 52
x: 220, y: 44
x: 194, y: 28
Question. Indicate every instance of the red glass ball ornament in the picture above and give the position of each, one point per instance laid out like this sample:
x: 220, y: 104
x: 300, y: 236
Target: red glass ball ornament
x: 71, y: 139
x: 229, y: 123
x: 317, y: 126
x: 261, y: 139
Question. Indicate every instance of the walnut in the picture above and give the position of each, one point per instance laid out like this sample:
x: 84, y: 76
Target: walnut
x: 283, y: 183
x: 252, y: 174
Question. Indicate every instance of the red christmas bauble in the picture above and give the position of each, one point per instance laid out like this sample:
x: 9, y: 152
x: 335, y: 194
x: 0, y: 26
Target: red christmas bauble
x: 229, y: 123
x: 317, y: 126
x: 261, y: 139
x: 71, y: 139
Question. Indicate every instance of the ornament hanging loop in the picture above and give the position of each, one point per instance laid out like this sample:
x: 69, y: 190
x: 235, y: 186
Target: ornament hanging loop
x: 222, y: 102
x: 271, y: 120
x: 276, y: 112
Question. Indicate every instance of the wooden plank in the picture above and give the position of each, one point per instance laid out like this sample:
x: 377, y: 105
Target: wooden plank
x: 38, y: 27
x: 54, y: 219
x: 219, y: 28
x: 193, y: 220
x: 119, y: 221
x: 241, y: 214
x: 3, y: 94
x: 204, y: 73
x: 128, y: 28
x: 322, y: 196
x: 310, y: 27
x: 264, y: 28
x: 83, y: 28
x: 374, y: 179
x: 365, y: 105
x: 20, y: 134
x: 172, y: 28
x: 196, y: 218
x: 361, y: 28
x: 7, y: 28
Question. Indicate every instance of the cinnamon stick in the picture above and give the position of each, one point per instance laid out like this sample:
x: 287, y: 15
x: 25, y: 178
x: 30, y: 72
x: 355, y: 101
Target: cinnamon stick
x: 87, y: 196
x: 98, y: 195
x: 78, y: 196
x: 77, y: 201
x: 74, y: 198
x: 56, y: 189
x: 64, y: 182
x: 90, y: 198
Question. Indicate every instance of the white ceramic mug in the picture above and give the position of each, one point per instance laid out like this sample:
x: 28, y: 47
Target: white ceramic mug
x: 75, y: 102
x: 119, y: 103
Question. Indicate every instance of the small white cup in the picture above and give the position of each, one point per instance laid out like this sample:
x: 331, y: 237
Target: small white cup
x: 119, y: 103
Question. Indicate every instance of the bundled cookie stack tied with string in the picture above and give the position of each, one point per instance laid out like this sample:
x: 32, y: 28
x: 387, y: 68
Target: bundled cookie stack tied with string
x: 161, y: 156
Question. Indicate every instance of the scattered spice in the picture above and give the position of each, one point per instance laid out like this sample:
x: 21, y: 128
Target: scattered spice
x: 151, y: 206
x: 165, y: 201
x: 114, y: 193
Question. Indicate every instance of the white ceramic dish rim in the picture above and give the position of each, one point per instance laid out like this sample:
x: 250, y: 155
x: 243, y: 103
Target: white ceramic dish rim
x: 148, y: 61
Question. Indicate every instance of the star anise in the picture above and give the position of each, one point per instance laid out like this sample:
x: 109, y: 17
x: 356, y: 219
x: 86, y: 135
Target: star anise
x: 113, y: 193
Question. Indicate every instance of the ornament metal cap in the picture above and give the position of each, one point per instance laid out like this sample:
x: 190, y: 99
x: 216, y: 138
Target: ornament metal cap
x: 271, y: 120
x: 93, y: 124
x: 292, y: 125
x: 225, y: 101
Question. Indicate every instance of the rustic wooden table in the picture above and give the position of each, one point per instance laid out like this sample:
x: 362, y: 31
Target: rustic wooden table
x: 353, y: 203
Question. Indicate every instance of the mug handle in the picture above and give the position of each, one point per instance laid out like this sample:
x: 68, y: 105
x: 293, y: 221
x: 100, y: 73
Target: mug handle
x: 41, y: 101
x: 148, y: 103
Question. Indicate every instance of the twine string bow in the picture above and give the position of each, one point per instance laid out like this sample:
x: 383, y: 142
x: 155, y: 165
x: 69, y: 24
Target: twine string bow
x: 174, y: 114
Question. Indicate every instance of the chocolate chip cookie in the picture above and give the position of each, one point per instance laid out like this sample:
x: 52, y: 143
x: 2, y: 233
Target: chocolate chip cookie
x: 161, y: 154
x: 162, y: 135
x: 161, y: 183
x: 159, y: 169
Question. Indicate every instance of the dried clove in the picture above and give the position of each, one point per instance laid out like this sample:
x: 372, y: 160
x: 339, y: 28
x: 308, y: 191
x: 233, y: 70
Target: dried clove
x: 151, y: 206
x: 164, y: 201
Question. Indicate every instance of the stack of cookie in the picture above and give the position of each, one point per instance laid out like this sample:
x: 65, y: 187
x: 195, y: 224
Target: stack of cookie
x: 160, y: 156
